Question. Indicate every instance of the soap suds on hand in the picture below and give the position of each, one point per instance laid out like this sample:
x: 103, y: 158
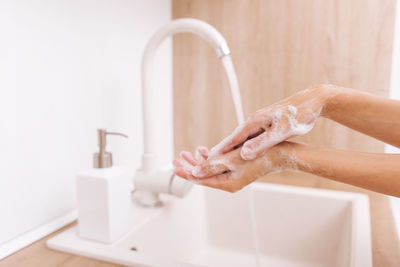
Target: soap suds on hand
x: 213, y: 166
x: 284, y: 125
x: 185, y: 165
x: 216, y: 150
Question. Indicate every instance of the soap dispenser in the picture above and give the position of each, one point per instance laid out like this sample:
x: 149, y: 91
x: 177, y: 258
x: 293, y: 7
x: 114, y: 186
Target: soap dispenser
x: 104, y: 197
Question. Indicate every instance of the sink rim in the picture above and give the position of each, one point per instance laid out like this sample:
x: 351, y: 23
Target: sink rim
x: 360, y: 254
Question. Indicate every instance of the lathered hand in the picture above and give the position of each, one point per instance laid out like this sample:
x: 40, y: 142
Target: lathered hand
x: 230, y: 172
x: 269, y: 126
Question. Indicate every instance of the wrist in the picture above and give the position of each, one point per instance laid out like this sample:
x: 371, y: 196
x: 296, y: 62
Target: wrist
x: 293, y: 156
x: 331, y: 95
x: 285, y: 155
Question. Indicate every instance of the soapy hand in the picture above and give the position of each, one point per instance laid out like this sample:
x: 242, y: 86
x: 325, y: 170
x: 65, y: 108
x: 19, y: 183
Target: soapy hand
x: 230, y: 172
x: 269, y: 126
x: 185, y: 163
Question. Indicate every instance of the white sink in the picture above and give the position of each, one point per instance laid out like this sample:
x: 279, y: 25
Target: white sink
x: 262, y: 225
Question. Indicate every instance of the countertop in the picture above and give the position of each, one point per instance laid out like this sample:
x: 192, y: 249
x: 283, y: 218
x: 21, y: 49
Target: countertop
x: 385, y: 243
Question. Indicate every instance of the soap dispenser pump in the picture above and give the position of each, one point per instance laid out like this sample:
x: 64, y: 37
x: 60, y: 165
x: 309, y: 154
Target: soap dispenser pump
x: 103, y: 159
x: 104, y: 196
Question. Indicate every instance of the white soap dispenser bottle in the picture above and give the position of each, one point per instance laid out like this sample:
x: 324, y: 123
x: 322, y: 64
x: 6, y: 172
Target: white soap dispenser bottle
x: 104, y: 197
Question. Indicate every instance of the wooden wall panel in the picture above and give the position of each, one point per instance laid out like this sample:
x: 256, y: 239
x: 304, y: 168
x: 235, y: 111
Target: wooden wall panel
x: 279, y: 48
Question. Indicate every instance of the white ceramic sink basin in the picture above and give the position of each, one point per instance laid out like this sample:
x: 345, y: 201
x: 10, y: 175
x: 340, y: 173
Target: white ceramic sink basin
x: 263, y: 225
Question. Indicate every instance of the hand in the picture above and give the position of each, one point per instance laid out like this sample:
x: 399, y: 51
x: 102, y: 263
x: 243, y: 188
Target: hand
x: 185, y: 163
x: 269, y: 126
x: 230, y: 172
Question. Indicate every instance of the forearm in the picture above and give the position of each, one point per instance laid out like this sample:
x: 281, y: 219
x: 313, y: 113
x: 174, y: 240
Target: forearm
x: 375, y: 116
x: 376, y: 172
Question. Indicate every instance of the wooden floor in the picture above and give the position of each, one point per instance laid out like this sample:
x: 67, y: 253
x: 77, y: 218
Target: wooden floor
x: 38, y: 255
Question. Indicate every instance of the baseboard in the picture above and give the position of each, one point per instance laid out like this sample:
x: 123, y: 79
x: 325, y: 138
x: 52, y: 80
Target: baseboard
x: 32, y: 236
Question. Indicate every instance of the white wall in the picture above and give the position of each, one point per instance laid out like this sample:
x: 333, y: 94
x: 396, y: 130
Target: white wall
x: 67, y: 68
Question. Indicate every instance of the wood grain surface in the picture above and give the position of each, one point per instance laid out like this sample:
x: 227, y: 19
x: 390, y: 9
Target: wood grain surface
x: 279, y: 48
x: 38, y: 255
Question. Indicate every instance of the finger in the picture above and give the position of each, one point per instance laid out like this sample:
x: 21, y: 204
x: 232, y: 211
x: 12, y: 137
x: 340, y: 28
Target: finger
x: 177, y: 163
x: 201, y: 154
x: 254, y: 147
x: 186, y: 175
x: 239, y: 135
x: 257, y: 146
x: 188, y: 157
x: 210, y: 168
x: 203, y: 151
x: 181, y: 172
x: 182, y: 163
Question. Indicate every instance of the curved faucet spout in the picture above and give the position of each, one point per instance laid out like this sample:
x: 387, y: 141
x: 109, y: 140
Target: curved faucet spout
x: 184, y: 25
x: 152, y: 179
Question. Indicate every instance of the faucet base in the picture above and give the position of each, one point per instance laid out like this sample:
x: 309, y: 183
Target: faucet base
x: 149, y: 199
x: 152, y: 182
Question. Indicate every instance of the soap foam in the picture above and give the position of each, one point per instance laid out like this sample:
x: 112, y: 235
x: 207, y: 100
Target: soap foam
x: 213, y: 165
x: 198, y: 156
x: 276, y: 134
x: 289, y: 160
x: 185, y: 165
x: 216, y: 150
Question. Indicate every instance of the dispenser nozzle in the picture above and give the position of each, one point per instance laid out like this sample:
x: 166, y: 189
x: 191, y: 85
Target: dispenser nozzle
x: 103, y: 159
